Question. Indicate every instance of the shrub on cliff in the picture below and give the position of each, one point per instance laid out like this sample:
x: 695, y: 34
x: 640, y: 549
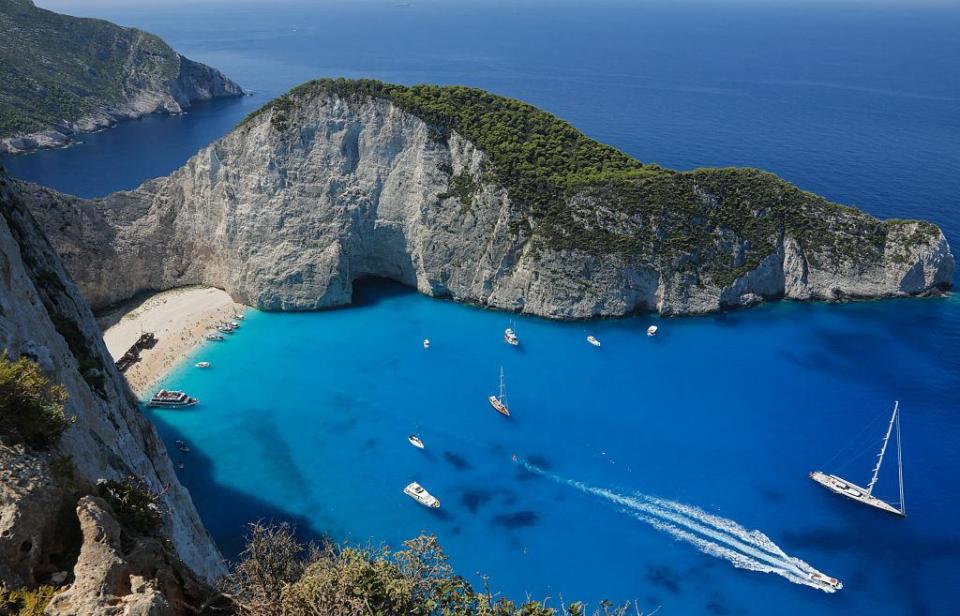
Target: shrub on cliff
x: 137, y: 508
x: 31, y: 407
x: 24, y: 602
x: 278, y: 576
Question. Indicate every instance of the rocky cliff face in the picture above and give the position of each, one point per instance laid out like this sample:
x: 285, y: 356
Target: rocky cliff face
x: 64, y: 75
x: 44, y: 317
x: 289, y: 209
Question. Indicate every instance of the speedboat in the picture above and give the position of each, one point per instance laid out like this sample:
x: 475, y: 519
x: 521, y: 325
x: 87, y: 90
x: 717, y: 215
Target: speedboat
x: 593, y: 341
x: 202, y: 364
x: 510, y: 337
x: 171, y: 400
x: 652, y: 330
x: 419, y: 494
x: 415, y: 441
x: 828, y: 583
x: 214, y: 337
x: 426, y: 343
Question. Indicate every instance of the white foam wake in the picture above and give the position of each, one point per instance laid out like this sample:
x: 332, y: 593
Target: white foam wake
x: 711, y: 534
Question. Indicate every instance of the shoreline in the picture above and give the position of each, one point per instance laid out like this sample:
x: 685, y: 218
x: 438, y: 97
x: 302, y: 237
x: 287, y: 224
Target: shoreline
x: 179, y: 318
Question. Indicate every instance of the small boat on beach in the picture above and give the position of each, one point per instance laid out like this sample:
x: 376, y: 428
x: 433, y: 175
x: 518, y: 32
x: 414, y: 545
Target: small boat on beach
x: 499, y: 403
x: 510, y: 337
x: 171, y: 400
x: 215, y: 337
x: 418, y: 493
x: 426, y: 343
x: 235, y: 325
x: 238, y: 316
x: 593, y: 341
x: 224, y: 330
x: 652, y: 330
x: 415, y: 441
x: 202, y: 364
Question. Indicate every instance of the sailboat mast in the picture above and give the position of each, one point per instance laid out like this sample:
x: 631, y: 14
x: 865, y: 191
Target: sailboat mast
x: 903, y: 505
x: 883, y: 449
x: 501, y: 384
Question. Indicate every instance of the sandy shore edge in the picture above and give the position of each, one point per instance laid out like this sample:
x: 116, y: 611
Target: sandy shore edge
x: 179, y: 318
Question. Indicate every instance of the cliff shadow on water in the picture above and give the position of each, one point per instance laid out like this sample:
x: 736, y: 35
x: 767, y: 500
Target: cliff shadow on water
x: 226, y: 511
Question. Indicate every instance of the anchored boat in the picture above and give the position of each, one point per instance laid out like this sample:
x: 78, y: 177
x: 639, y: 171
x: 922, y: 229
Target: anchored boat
x: 499, y: 403
x: 202, y: 364
x: 593, y: 341
x: 415, y: 441
x: 652, y: 330
x: 215, y: 337
x: 171, y: 400
x: 865, y: 496
x: 418, y: 493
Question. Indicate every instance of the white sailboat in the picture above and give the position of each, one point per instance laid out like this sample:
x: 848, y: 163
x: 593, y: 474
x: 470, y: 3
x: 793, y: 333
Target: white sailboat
x: 841, y: 486
x: 499, y: 403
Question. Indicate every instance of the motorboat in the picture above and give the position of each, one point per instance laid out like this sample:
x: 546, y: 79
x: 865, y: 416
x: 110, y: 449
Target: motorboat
x: 829, y: 584
x: 592, y: 340
x: 202, y: 364
x: 171, y: 400
x: 426, y: 343
x: 510, y: 337
x: 415, y: 441
x: 215, y: 337
x: 652, y: 330
x: 182, y: 446
x: 225, y: 328
x: 418, y: 493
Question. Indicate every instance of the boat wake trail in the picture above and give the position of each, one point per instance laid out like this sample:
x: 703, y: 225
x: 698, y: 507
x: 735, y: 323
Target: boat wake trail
x: 711, y: 534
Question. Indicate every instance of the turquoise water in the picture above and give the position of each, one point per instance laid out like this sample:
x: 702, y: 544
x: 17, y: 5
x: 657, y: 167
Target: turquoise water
x: 305, y: 416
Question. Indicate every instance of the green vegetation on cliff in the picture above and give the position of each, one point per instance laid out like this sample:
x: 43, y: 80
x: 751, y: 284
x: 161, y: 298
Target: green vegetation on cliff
x: 570, y: 192
x: 56, y: 67
x: 278, y: 576
x: 31, y: 407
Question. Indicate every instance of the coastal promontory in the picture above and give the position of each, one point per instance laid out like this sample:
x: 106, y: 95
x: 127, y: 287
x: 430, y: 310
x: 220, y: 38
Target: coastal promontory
x: 463, y: 194
x: 66, y: 75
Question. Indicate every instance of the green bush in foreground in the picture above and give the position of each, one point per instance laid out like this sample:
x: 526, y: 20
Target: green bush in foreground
x: 278, y: 576
x: 23, y: 602
x: 31, y: 407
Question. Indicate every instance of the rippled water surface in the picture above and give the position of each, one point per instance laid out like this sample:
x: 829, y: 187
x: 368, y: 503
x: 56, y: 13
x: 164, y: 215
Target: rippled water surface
x: 670, y: 470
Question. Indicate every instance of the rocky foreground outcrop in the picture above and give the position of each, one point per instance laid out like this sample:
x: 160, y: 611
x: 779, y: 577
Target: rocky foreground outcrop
x: 65, y: 75
x: 341, y: 180
x: 42, y: 533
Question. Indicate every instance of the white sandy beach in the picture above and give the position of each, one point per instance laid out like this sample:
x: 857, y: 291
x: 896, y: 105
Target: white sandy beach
x: 179, y: 318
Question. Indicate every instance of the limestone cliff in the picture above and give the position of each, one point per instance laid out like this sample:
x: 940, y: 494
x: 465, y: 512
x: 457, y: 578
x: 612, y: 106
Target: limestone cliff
x: 65, y: 75
x: 340, y: 180
x: 43, y: 317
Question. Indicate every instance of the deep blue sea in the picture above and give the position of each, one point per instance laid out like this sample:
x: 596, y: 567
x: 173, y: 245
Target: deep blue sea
x: 642, y: 467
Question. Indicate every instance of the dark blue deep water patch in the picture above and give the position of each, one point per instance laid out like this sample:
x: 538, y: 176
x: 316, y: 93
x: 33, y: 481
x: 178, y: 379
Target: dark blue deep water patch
x: 304, y: 417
